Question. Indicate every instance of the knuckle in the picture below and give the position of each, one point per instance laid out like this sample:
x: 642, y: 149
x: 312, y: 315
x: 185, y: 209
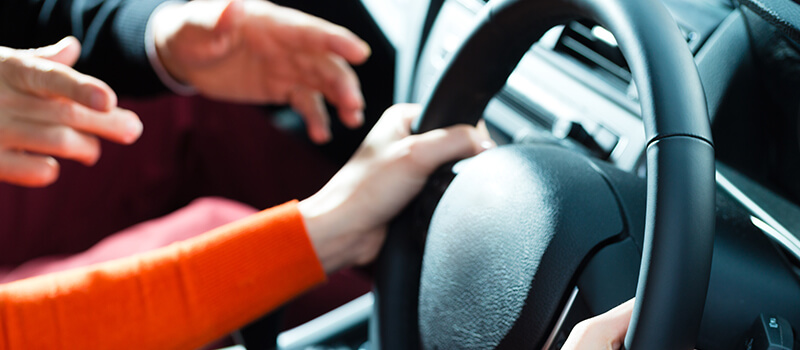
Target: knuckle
x: 12, y: 62
x: 582, y: 328
x: 410, y: 151
x: 37, y: 74
x: 14, y: 70
x: 333, y: 79
x: 331, y: 75
x: 67, y: 113
x: 61, y: 139
x: 67, y: 143
x: 34, y: 79
x: 304, y: 63
x: 277, y: 91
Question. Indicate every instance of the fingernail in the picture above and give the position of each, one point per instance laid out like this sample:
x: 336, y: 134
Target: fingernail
x: 319, y: 136
x: 359, y: 118
x: 134, y: 128
x: 367, y: 49
x: 488, y: 144
x: 92, y: 161
x: 321, y: 140
x: 50, y: 173
x: 326, y: 137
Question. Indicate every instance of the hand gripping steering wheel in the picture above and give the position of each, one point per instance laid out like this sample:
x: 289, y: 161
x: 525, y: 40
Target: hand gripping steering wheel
x: 491, y: 288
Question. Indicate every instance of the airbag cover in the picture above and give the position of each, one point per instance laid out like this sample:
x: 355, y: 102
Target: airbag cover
x: 504, y: 242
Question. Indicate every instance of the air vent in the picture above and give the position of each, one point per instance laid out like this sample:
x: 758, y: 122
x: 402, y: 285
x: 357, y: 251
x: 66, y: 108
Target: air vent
x: 596, y: 47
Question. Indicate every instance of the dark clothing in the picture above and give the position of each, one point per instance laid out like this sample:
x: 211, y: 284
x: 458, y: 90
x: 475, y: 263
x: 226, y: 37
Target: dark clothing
x: 111, y: 32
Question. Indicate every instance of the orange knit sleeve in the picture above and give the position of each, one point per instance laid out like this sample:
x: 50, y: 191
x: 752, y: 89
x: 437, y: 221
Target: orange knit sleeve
x: 177, y: 297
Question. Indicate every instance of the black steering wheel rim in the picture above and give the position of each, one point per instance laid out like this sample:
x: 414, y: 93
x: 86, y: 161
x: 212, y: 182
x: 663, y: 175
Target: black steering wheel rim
x: 680, y: 196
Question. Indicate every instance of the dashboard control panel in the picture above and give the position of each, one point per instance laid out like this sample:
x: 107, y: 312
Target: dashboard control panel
x: 572, y: 87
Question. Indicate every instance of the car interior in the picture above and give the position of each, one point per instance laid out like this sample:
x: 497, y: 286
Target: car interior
x: 647, y: 148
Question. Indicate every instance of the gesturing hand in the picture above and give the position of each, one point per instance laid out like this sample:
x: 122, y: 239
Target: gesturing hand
x: 347, y: 218
x: 48, y: 109
x: 256, y: 52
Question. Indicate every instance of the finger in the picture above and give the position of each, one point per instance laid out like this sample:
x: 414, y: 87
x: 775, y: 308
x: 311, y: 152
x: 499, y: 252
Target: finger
x: 616, y: 323
x: 408, y: 112
x: 483, y: 129
x: 349, y: 46
x: 49, y: 139
x: 65, y: 51
x: 339, y: 83
x: 45, y: 78
x: 312, y: 107
x: 622, y: 311
x: 394, y: 124
x: 118, y: 125
x: 436, y: 147
x: 351, y: 118
x: 27, y: 169
x: 606, y: 331
x: 304, y: 32
x: 619, y: 318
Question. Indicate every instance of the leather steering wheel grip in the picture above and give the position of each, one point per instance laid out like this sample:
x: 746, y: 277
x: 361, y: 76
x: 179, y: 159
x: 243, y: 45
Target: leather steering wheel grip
x: 679, y: 225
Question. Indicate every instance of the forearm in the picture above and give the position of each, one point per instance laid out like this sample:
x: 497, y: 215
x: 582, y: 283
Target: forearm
x: 181, y: 296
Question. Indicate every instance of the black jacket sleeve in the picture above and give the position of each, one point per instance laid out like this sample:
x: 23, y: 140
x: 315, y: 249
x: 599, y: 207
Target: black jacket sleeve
x: 111, y: 31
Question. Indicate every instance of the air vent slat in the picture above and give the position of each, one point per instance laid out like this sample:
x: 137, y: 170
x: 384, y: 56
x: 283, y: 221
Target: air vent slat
x: 580, y: 41
x: 587, y: 54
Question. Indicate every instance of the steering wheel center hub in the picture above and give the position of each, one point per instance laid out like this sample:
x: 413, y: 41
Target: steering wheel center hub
x: 504, y: 243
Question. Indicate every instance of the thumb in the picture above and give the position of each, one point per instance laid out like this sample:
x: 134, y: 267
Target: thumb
x: 224, y: 31
x: 230, y: 17
x: 67, y: 51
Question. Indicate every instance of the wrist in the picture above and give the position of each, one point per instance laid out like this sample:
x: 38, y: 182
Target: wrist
x: 165, y: 23
x: 324, y: 232
x: 336, y: 240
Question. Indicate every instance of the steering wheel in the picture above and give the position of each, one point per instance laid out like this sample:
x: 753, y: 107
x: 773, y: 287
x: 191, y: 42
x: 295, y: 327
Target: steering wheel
x: 536, y: 261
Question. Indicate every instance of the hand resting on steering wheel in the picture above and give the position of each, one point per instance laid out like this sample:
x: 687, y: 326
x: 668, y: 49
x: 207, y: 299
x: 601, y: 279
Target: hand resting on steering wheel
x: 347, y: 219
x: 606, y: 331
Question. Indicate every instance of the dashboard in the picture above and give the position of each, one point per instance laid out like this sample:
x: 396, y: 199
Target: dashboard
x: 573, y: 87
